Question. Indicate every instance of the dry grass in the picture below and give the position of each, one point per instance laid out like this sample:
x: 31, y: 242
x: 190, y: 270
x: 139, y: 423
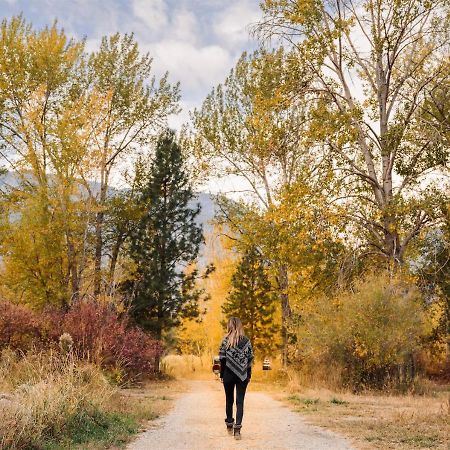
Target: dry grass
x: 187, y: 366
x: 52, y: 401
x: 200, y: 368
x: 42, y: 393
x: 378, y: 421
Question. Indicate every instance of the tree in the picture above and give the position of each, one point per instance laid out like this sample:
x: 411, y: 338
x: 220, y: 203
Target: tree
x: 376, y: 66
x: 164, y: 245
x: 122, y: 210
x: 303, y: 233
x: 47, y: 122
x: 367, y: 335
x: 431, y: 266
x: 202, y: 337
x: 137, y: 107
x: 253, y: 300
x: 66, y: 119
x: 250, y: 128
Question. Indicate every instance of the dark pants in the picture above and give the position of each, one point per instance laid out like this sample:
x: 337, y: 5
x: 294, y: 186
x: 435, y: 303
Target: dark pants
x: 230, y: 381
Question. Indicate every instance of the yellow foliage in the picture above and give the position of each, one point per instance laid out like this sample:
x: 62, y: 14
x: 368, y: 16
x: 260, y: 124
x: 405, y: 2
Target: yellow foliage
x: 204, y: 337
x: 369, y: 332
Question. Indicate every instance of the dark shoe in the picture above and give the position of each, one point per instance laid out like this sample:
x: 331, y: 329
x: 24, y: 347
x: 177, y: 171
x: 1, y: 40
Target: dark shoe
x: 237, y: 432
x: 229, y: 426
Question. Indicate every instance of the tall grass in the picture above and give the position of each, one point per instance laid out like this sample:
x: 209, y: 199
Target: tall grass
x: 200, y: 368
x: 43, y: 393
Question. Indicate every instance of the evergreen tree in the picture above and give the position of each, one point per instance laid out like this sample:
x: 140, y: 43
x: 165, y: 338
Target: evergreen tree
x: 253, y: 301
x: 164, y: 245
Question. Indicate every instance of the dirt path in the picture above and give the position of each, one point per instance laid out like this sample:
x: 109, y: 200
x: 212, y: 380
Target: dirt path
x: 197, y: 422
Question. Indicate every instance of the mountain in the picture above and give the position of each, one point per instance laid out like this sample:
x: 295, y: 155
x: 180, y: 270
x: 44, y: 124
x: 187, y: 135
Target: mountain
x: 208, y: 211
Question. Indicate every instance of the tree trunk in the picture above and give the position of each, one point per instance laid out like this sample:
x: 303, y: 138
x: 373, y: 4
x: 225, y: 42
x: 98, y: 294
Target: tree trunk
x: 73, y: 269
x: 392, y: 246
x: 112, y: 265
x: 99, y: 235
x: 282, y: 280
x: 98, y: 253
x: 158, y: 336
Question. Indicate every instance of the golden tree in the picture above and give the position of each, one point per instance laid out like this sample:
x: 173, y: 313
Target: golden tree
x: 378, y: 67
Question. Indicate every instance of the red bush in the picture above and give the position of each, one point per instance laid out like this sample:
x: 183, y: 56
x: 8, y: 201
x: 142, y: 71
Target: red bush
x: 94, y: 328
x: 101, y: 335
x: 51, y: 325
x: 138, y: 351
x: 98, y: 333
x: 19, y: 326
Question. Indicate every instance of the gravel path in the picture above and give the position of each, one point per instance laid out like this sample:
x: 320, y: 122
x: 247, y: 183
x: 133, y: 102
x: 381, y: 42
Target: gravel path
x: 197, y: 422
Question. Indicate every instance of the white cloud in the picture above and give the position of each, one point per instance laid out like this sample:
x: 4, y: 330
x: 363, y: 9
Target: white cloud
x: 184, y: 26
x: 153, y: 13
x: 198, y: 68
x: 231, y: 25
x: 197, y: 41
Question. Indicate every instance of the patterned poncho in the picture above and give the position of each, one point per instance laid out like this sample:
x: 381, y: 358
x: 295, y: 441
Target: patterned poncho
x: 239, y: 358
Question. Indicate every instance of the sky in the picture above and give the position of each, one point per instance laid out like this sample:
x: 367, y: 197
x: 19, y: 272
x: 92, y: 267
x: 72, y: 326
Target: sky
x: 197, y: 41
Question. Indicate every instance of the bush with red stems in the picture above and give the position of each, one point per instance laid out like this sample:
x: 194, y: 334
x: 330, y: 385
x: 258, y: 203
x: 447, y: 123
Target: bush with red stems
x: 98, y: 332
x: 19, y: 327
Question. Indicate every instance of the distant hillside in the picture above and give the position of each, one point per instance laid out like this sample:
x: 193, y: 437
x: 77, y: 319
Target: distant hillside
x: 209, y: 209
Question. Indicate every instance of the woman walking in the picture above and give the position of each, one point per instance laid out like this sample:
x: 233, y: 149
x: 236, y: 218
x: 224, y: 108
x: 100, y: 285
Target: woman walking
x: 236, y: 356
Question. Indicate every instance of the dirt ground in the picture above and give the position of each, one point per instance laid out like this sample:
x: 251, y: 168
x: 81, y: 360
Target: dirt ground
x: 196, y: 422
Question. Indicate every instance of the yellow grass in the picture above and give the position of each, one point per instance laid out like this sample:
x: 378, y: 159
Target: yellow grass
x: 200, y: 367
x: 41, y: 392
x: 377, y: 421
x: 42, y: 396
x: 187, y: 366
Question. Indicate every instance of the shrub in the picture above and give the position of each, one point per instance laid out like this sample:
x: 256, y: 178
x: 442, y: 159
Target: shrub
x: 19, y: 326
x: 94, y: 328
x: 97, y: 332
x: 100, y: 335
x: 369, y: 335
x: 138, y: 352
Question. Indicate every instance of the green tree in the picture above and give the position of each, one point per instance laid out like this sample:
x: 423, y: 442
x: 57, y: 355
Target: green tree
x: 253, y: 300
x: 165, y: 244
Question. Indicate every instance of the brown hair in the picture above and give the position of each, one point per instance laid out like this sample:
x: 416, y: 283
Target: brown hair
x: 235, y: 331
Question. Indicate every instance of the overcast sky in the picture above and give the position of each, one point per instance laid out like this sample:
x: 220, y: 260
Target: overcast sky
x: 197, y: 41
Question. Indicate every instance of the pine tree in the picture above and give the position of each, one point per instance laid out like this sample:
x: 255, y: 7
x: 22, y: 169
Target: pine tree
x: 164, y: 245
x: 252, y: 300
